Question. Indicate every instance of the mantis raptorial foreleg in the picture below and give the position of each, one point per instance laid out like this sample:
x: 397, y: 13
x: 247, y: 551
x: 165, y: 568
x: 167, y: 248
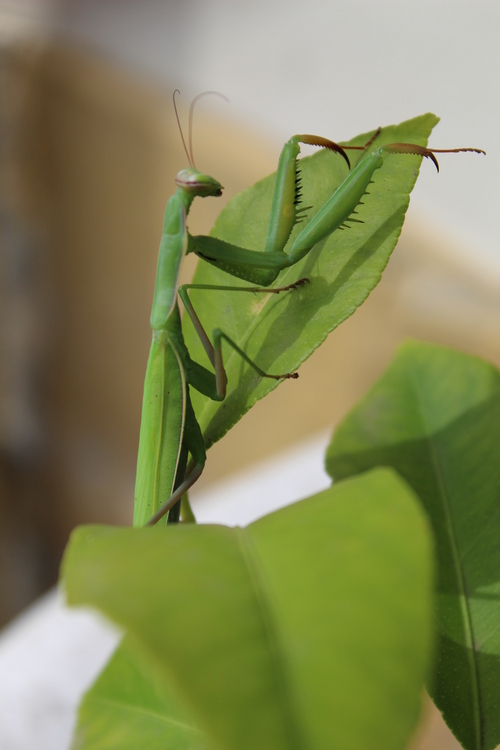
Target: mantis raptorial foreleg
x: 337, y: 213
x: 170, y: 433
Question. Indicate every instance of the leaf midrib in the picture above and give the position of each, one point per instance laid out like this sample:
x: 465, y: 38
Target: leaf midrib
x: 456, y: 559
x: 259, y: 587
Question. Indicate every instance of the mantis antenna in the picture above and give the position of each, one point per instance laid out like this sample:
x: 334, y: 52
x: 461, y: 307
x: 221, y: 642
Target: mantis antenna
x: 191, y: 110
x: 179, y: 126
x: 189, y: 153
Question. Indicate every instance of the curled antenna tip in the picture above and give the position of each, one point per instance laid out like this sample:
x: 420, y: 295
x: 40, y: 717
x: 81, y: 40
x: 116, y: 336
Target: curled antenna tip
x: 191, y: 110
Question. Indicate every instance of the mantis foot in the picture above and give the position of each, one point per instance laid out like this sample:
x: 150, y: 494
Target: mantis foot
x: 279, y: 289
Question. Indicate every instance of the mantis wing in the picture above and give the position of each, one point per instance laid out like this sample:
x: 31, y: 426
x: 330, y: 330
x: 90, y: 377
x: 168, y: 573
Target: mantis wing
x: 162, y: 428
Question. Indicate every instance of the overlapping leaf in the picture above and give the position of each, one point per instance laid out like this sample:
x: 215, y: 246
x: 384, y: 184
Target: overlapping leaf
x: 129, y: 707
x: 435, y: 418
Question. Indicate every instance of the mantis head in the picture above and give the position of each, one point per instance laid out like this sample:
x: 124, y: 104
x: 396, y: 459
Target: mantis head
x: 192, y: 181
x: 198, y: 184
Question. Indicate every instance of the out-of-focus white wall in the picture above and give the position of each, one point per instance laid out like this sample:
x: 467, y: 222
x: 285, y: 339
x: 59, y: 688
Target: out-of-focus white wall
x: 333, y: 68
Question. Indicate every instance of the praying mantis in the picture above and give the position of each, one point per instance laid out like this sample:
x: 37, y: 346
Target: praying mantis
x: 170, y: 433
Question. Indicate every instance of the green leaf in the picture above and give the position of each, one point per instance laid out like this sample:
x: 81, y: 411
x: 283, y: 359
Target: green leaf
x: 280, y: 331
x: 435, y: 417
x: 129, y: 707
x: 308, y: 629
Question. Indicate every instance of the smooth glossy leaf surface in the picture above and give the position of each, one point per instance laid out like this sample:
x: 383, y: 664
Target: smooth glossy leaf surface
x: 280, y: 331
x: 435, y: 418
x: 308, y: 629
x: 129, y: 707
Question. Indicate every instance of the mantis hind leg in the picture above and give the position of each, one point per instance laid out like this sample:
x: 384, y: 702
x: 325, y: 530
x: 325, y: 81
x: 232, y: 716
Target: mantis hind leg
x: 218, y: 336
x: 174, y: 513
x: 177, y: 495
x: 213, y: 386
x: 198, y: 374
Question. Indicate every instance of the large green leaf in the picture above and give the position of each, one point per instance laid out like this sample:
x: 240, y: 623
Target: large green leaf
x: 308, y: 629
x: 280, y: 331
x: 435, y: 418
x: 129, y: 707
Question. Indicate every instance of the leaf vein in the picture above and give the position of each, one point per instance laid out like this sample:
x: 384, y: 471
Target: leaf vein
x: 271, y: 628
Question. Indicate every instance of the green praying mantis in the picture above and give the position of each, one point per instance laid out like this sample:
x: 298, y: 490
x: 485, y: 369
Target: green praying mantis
x: 170, y: 433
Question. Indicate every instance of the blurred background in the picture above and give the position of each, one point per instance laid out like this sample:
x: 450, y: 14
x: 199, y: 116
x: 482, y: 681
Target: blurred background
x: 89, y: 148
